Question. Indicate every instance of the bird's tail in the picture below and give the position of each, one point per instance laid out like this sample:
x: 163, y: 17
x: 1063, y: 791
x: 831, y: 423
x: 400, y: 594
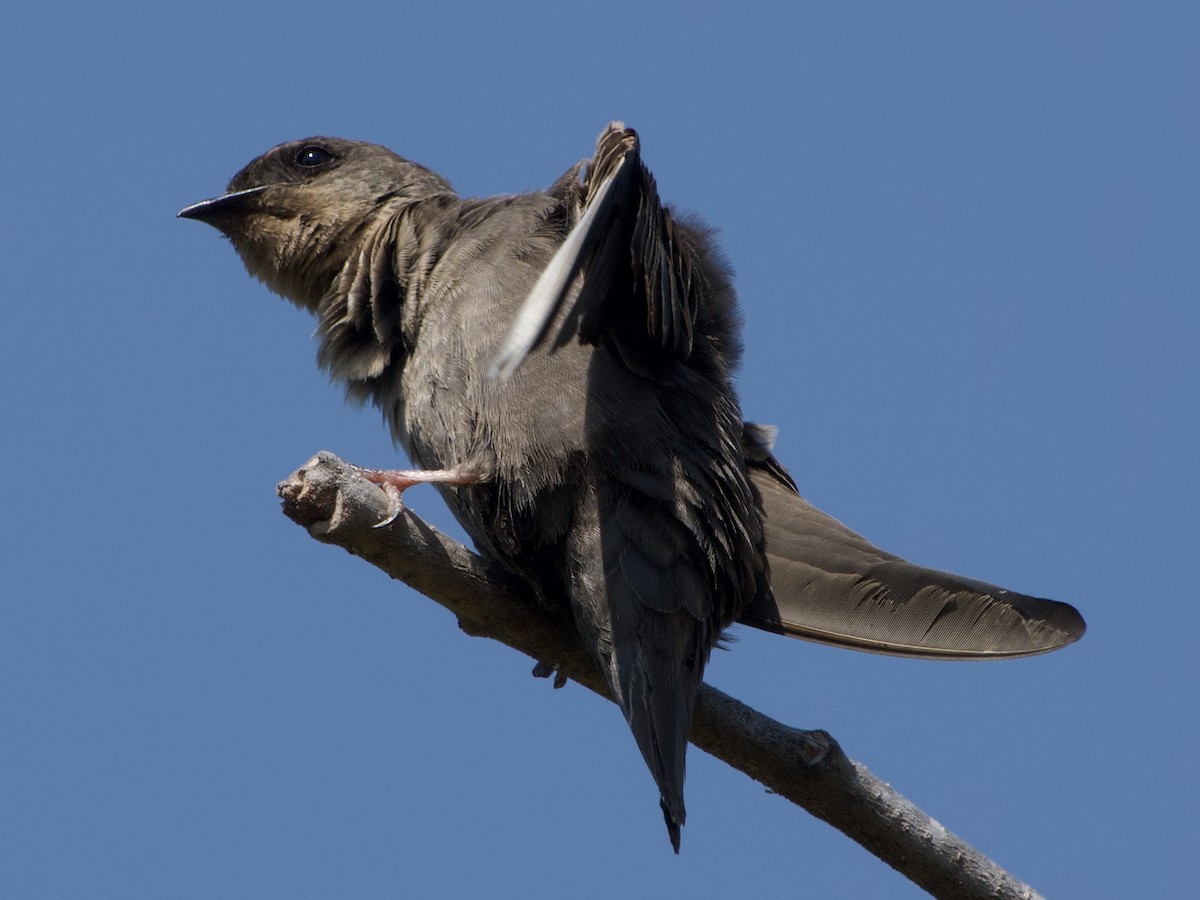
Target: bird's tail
x: 655, y: 679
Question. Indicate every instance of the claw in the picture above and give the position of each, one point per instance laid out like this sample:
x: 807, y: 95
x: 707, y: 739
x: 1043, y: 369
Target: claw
x: 395, y: 505
x: 395, y: 481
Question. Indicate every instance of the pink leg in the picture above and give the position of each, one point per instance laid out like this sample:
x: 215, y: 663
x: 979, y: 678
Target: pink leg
x: 396, y: 481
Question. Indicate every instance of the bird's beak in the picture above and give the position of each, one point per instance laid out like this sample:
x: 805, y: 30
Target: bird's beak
x: 212, y: 211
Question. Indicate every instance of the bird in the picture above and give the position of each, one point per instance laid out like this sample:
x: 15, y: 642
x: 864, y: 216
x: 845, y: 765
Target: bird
x: 560, y: 364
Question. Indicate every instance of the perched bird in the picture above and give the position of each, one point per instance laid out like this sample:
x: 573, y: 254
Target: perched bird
x: 559, y: 363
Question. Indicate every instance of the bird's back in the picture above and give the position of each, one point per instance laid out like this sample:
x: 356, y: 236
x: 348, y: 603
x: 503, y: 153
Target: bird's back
x: 622, y: 486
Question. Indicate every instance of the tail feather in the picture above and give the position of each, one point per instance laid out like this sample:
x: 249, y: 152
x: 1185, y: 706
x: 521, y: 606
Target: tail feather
x: 656, y: 676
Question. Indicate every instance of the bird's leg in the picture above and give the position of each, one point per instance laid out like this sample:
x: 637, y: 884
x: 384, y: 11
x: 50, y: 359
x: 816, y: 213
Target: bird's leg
x: 396, y: 481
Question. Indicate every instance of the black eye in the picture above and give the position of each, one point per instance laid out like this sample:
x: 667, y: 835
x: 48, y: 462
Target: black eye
x: 312, y: 156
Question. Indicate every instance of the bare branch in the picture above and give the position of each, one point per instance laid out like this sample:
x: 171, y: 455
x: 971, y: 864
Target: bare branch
x: 338, y: 506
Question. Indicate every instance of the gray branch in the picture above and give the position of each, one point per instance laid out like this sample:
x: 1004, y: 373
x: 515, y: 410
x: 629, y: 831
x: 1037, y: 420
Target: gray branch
x: 338, y: 506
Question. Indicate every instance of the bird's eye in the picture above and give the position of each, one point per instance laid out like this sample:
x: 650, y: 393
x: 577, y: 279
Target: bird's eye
x: 312, y: 156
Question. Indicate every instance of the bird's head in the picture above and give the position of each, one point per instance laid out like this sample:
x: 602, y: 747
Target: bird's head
x: 295, y: 213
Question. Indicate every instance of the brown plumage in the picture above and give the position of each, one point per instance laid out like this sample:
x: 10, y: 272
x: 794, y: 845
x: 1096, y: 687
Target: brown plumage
x: 560, y: 363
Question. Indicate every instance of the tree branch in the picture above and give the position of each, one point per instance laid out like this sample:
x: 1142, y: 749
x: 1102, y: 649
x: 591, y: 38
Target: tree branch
x: 338, y: 506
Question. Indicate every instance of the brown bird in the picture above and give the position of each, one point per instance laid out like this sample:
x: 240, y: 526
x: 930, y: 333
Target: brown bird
x: 559, y: 363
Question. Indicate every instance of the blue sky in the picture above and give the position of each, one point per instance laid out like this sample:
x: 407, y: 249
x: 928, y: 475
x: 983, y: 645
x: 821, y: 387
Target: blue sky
x: 966, y: 244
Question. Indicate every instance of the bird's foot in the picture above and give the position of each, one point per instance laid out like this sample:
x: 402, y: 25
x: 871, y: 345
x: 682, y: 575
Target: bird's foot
x: 545, y: 670
x: 396, y: 481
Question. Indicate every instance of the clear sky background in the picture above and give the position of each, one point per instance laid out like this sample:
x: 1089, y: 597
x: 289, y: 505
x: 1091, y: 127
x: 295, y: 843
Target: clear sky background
x: 967, y: 245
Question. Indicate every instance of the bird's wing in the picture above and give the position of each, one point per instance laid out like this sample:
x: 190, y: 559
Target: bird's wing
x: 679, y: 534
x: 833, y: 586
x: 641, y: 281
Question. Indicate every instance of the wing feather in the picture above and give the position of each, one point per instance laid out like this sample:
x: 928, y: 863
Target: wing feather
x: 833, y: 586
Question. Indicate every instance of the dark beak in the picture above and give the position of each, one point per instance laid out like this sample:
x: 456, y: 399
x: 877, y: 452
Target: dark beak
x: 214, y: 210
